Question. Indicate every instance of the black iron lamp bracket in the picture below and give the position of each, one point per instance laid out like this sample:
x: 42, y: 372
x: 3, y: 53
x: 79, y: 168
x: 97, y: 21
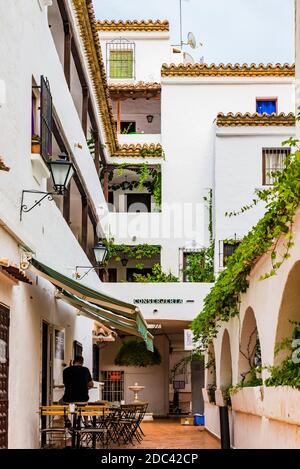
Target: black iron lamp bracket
x: 24, y: 206
x: 88, y: 267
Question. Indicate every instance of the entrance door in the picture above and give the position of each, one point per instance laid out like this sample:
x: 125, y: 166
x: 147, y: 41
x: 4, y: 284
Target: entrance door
x: 138, y: 203
x: 4, y: 364
x: 198, y: 368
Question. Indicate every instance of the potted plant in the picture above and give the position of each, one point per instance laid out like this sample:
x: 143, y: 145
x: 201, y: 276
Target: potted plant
x: 35, y: 144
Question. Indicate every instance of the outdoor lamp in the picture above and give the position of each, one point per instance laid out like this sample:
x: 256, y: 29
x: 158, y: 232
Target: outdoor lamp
x: 61, y: 171
x: 124, y: 260
x: 125, y: 184
x: 150, y: 118
x: 100, y: 253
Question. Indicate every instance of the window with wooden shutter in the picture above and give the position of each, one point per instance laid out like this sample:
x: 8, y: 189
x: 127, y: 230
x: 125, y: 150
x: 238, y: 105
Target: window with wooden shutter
x: 46, y: 119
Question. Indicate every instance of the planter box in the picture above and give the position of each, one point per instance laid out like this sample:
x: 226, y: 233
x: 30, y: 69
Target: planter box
x: 248, y: 400
x: 207, y: 396
x: 220, y: 401
x: 282, y: 403
x: 39, y: 168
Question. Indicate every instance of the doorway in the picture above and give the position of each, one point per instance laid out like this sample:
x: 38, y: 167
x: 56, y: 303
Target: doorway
x: 138, y: 203
x: 4, y: 366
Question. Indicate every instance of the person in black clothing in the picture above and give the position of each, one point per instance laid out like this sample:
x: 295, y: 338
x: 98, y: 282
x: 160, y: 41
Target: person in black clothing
x: 77, y: 380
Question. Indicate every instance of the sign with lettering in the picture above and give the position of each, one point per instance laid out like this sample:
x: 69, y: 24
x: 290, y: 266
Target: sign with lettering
x: 59, y: 344
x: 188, y: 339
x: 157, y: 301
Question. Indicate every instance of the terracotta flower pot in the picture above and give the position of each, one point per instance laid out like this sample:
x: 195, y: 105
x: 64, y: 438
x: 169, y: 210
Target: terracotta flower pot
x: 35, y: 146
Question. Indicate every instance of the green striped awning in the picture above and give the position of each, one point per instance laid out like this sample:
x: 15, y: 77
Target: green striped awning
x: 119, y: 314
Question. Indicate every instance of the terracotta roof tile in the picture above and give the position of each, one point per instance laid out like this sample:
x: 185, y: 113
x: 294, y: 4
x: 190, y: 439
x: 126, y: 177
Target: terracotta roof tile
x: 229, y: 70
x: 248, y: 119
x: 135, y: 25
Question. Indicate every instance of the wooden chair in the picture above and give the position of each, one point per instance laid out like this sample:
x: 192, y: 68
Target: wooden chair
x: 53, y: 432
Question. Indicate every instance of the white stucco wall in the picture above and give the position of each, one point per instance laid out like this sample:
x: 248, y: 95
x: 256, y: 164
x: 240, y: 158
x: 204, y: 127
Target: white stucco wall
x: 43, y: 230
x: 275, y: 303
x: 238, y: 170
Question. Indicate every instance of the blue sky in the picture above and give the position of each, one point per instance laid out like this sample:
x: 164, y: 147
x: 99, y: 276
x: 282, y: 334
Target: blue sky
x: 230, y: 30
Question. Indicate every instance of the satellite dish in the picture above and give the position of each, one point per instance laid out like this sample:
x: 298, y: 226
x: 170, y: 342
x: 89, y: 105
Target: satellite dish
x: 191, y: 40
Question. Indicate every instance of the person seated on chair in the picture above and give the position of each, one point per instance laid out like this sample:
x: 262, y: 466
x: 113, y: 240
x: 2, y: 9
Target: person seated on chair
x: 77, y: 380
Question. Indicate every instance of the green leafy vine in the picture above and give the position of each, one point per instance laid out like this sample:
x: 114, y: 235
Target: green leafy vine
x: 281, y: 200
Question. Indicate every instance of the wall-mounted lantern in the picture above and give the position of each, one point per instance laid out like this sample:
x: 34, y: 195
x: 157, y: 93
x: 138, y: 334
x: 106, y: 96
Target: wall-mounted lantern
x: 61, y: 171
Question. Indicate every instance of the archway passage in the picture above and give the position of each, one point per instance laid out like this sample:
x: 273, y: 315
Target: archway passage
x: 289, y: 312
x: 225, y: 362
x: 249, y: 350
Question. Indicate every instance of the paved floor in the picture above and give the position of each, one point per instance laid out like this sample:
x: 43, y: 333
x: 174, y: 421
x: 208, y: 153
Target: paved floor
x: 169, y: 433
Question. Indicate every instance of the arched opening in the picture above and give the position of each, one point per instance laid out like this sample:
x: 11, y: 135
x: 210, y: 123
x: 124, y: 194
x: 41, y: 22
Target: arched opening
x: 210, y: 367
x: 225, y: 362
x: 249, y: 350
x: 289, y: 312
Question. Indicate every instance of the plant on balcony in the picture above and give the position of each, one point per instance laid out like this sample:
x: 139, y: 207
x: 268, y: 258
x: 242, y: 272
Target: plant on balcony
x: 200, y: 266
x: 157, y: 276
x: 288, y: 372
x: 35, y: 144
x: 149, y: 178
x: 127, y: 129
x: 138, y: 251
x: 135, y: 353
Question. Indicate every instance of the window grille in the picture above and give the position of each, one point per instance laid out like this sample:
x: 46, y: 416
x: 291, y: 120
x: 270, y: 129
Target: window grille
x: 273, y: 161
x: 120, y: 55
x: 113, y: 386
x: 46, y: 119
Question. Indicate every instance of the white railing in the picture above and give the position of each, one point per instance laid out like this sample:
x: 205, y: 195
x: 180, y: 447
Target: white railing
x: 139, y: 138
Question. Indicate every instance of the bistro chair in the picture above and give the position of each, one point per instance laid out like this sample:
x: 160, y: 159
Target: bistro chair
x: 54, y: 431
x: 89, y: 436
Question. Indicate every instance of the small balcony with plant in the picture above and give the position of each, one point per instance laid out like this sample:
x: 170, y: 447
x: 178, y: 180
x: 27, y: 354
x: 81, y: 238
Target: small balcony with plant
x: 134, y: 188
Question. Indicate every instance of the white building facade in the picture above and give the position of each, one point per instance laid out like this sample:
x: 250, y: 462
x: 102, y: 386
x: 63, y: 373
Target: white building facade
x: 176, y: 109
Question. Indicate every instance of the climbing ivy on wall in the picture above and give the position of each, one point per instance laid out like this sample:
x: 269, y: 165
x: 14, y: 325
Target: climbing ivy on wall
x: 281, y: 200
x: 157, y: 275
x: 149, y: 178
x: 200, y: 264
x: 138, y: 251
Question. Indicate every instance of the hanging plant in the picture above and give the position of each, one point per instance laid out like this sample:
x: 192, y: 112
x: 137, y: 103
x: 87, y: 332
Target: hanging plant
x: 157, y: 276
x: 135, y: 353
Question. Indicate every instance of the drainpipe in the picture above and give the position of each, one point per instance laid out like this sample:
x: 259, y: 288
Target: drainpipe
x: 224, y: 426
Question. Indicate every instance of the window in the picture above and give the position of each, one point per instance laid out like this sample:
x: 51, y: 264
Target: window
x: 127, y: 127
x: 120, y: 55
x: 273, y: 160
x: 121, y: 64
x: 226, y: 249
x: 185, y: 265
x: 108, y: 275
x: 113, y: 386
x: 77, y: 349
x: 266, y: 105
x: 130, y: 273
